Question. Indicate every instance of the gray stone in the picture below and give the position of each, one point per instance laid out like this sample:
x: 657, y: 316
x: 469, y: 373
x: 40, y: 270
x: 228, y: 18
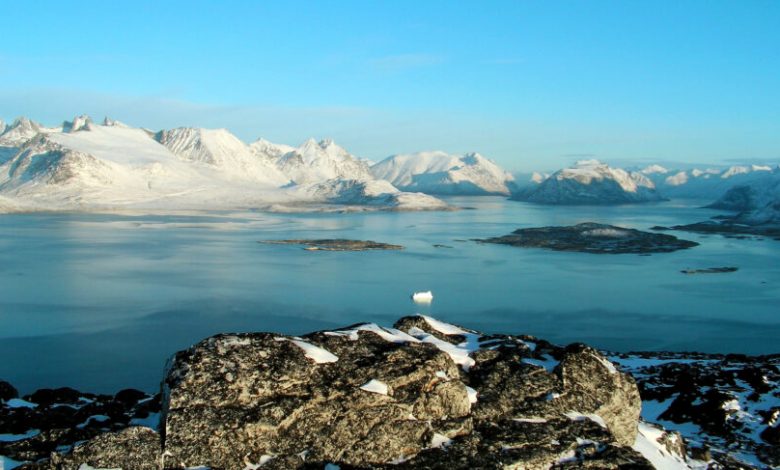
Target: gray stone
x: 133, y: 448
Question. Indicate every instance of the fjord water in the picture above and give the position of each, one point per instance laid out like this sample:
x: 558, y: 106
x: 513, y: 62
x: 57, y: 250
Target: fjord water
x: 98, y: 302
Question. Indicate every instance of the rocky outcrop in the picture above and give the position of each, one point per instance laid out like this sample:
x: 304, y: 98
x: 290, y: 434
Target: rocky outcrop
x: 423, y: 394
x: 53, y: 420
x: 591, y: 237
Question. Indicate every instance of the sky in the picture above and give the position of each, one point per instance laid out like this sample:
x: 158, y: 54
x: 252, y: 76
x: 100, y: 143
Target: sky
x: 532, y: 85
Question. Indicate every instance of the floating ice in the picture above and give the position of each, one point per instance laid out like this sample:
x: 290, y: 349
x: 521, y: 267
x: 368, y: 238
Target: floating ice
x: 425, y: 297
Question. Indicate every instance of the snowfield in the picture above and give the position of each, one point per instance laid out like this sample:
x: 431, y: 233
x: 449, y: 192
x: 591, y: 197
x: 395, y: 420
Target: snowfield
x: 85, y: 166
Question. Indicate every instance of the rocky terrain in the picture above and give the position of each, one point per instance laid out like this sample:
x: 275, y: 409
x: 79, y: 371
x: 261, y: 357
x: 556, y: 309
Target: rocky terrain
x: 337, y: 244
x: 726, y: 407
x: 423, y: 394
x: 591, y: 237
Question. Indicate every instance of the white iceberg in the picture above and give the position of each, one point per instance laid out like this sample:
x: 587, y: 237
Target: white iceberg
x: 424, y: 297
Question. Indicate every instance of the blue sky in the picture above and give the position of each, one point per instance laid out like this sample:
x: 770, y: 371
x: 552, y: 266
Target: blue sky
x: 533, y: 85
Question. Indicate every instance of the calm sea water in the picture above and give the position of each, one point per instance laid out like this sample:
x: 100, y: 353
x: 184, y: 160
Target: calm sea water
x: 99, y: 302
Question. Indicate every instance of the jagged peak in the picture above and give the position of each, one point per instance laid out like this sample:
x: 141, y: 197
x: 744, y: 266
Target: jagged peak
x: 23, y: 122
x: 79, y: 123
x: 108, y: 122
x: 327, y: 142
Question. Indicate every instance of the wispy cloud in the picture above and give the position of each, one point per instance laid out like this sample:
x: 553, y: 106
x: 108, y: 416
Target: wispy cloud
x: 400, y: 62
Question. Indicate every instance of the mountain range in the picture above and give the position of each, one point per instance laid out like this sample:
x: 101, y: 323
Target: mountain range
x: 82, y: 165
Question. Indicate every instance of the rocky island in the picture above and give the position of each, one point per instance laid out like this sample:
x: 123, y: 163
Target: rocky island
x: 423, y: 394
x: 591, y: 237
x: 336, y: 244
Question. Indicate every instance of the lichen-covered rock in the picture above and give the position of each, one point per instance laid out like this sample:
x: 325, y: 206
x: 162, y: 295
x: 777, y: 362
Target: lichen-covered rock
x: 232, y: 399
x: 133, y: 448
x: 366, y: 396
x: 423, y: 394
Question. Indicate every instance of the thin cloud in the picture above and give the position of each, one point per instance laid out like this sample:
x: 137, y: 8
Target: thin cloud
x: 400, y: 62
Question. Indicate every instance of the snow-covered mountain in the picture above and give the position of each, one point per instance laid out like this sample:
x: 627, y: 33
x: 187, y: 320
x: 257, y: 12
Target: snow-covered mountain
x: 86, y: 166
x: 269, y: 151
x: 591, y: 182
x: 368, y: 192
x: 758, y: 202
x: 318, y: 161
x: 441, y: 173
x: 222, y: 150
x: 707, y: 183
x: 19, y: 131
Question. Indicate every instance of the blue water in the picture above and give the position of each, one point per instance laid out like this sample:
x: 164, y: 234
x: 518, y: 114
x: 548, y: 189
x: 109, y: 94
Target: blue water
x: 99, y: 302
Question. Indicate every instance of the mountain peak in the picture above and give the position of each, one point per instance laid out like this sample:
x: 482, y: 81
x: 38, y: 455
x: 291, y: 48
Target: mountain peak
x: 108, y: 122
x: 79, y: 123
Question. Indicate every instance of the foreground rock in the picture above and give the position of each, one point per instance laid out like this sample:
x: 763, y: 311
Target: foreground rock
x: 336, y: 244
x: 369, y: 396
x: 53, y: 420
x: 424, y: 394
x: 591, y: 237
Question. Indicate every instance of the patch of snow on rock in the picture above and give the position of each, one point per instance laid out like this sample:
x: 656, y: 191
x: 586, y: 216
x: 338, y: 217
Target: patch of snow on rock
x: 375, y: 386
x: 315, y: 353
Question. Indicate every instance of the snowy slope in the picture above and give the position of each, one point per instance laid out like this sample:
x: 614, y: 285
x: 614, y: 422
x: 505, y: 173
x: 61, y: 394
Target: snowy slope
x: 19, y: 132
x: 370, y: 193
x: 223, y: 151
x: 269, y: 151
x: 591, y: 182
x: 758, y: 201
x: 441, y: 173
x: 319, y: 161
x: 86, y: 166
